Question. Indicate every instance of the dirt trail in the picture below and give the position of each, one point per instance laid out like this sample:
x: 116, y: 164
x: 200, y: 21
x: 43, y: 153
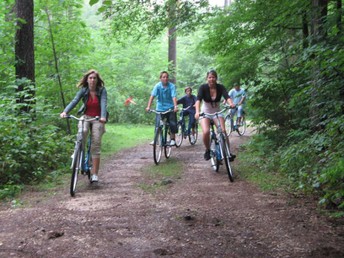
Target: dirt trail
x: 201, y: 214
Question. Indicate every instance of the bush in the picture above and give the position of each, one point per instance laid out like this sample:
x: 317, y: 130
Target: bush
x: 31, y: 147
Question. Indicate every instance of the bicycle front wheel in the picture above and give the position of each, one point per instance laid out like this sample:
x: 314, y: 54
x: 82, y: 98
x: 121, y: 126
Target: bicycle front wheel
x: 76, y: 167
x: 157, y: 146
x: 229, y: 124
x: 241, y: 128
x: 179, y: 135
x: 215, y: 163
x: 167, y: 146
x: 226, y: 155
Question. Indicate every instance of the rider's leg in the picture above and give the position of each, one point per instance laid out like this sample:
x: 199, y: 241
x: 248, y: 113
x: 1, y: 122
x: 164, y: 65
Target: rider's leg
x: 223, y: 127
x: 173, y: 124
x: 205, y: 124
x: 97, y: 132
x: 240, y: 113
x: 192, y: 122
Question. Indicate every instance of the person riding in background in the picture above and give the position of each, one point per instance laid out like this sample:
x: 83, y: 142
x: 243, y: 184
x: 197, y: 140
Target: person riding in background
x: 238, y: 96
x: 211, y: 93
x: 188, y: 101
x: 129, y: 101
x: 166, y: 95
x: 94, y: 96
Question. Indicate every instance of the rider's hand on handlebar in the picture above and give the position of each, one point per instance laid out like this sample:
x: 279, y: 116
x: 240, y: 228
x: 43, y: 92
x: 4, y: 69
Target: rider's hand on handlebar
x: 63, y: 114
x: 147, y: 109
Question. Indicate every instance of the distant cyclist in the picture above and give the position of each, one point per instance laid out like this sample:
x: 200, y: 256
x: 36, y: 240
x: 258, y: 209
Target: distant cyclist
x: 238, y: 96
x: 211, y: 93
x: 166, y: 95
x: 188, y: 101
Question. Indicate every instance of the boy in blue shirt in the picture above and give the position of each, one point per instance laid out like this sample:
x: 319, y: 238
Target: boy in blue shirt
x: 166, y: 95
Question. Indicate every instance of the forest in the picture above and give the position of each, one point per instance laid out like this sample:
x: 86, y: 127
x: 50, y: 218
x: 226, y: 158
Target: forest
x: 287, y: 55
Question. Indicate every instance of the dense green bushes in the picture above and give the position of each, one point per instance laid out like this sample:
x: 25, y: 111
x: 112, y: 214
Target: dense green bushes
x: 32, y: 147
x: 290, y: 57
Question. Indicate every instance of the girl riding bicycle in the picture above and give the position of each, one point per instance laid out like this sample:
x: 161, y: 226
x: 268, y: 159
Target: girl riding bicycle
x: 211, y: 94
x: 94, y: 96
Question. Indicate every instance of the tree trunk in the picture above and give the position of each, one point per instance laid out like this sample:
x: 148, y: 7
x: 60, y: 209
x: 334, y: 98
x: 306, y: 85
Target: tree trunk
x: 318, y: 32
x: 172, y: 43
x: 339, y: 16
x: 172, y: 54
x: 24, y: 52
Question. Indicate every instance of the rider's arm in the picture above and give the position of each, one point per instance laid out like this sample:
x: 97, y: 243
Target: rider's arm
x: 230, y: 102
x: 197, y: 106
x: 74, y: 102
x: 149, y: 103
x: 175, y: 104
x: 242, y: 100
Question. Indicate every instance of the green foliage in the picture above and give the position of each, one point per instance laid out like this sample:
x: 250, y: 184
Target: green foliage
x: 123, y: 136
x: 31, y: 148
x: 332, y: 181
x: 293, y: 74
x: 148, y: 19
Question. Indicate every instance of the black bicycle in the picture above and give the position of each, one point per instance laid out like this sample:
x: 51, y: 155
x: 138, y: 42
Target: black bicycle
x: 81, y: 160
x: 233, y: 124
x: 219, y: 144
x: 162, y: 137
x: 182, y: 129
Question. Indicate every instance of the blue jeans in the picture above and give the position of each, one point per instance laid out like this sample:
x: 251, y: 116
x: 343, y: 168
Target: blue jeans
x: 240, y: 110
x: 191, y: 119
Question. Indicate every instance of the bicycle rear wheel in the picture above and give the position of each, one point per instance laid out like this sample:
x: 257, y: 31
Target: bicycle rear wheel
x: 157, y: 146
x: 179, y: 135
x: 76, y: 167
x: 167, y: 146
x: 241, y: 128
x: 229, y: 124
x: 226, y: 155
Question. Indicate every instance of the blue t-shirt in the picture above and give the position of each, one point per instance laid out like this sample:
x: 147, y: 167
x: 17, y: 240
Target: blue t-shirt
x: 237, y: 95
x: 164, y: 96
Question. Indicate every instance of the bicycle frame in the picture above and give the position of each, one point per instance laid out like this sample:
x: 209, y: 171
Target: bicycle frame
x: 221, y: 149
x: 183, y: 130
x: 233, y: 125
x: 160, y: 137
x: 80, y: 161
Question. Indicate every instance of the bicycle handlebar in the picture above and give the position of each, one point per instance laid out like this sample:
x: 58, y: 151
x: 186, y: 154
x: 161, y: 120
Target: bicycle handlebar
x: 216, y: 113
x: 160, y: 113
x: 184, y: 109
x: 82, y: 118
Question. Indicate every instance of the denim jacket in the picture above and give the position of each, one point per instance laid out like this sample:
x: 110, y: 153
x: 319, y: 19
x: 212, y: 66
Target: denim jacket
x: 83, y: 94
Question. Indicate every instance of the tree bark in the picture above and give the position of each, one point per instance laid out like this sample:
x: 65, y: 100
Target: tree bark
x: 339, y: 16
x: 24, y: 49
x: 172, y: 43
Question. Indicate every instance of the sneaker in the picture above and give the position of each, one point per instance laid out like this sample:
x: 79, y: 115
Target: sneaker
x: 172, y: 142
x: 94, y: 178
x: 232, y: 157
x: 192, y: 138
x: 151, y: 143
x: 207, y: 155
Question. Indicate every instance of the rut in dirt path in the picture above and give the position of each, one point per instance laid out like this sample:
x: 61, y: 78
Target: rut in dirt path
x: 201, y: 214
